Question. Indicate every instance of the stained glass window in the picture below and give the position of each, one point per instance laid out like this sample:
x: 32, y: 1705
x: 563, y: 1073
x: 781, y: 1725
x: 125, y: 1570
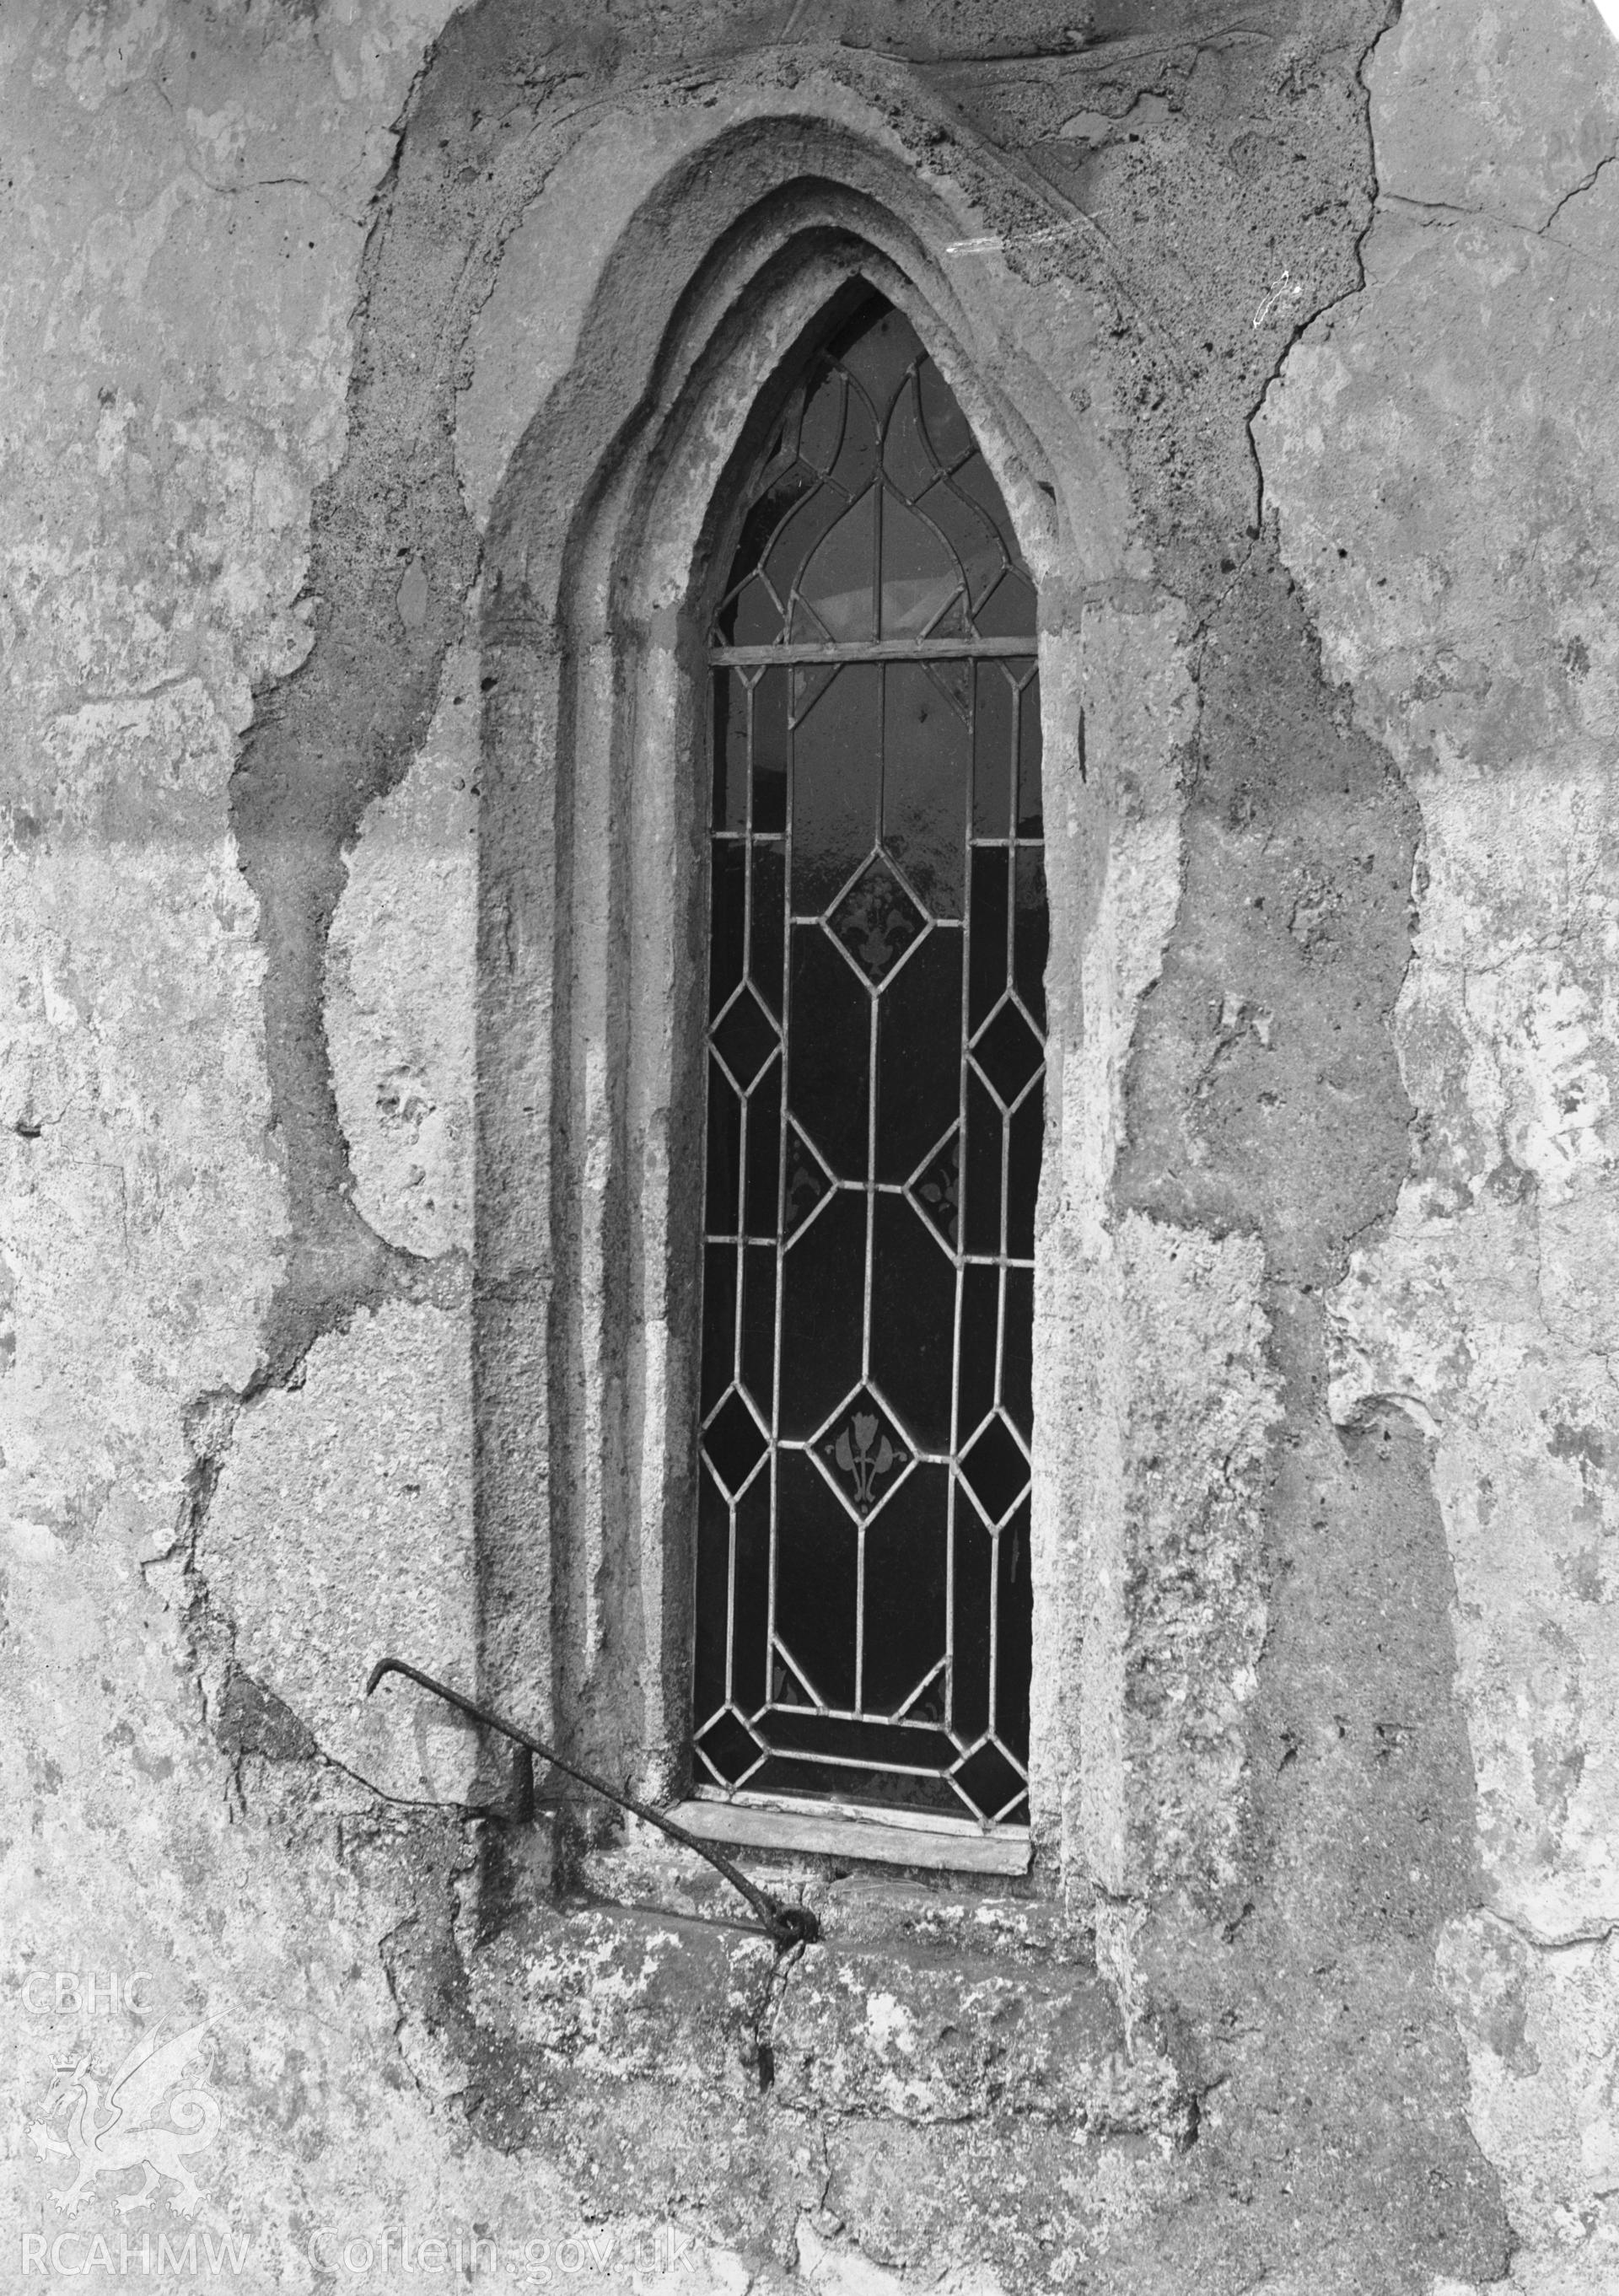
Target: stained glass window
x: 876, y: 1068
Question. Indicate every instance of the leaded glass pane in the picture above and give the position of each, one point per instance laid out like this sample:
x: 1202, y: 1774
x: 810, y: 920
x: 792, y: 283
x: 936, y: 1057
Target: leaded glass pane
x: 878, y: 512
x: 876, y: 1055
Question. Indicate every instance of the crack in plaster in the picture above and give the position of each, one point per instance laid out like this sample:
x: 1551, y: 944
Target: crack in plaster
x: 1448, y: 218
x: 1583, y: 186
x: 189, y: 170
x: 210, y: 1635
x: 385, y: 1952
x: 297, y: 803
x: 1375, y: 194
x: 337, y: 1264
x: 209, y: 1425
x: 1560, y: 1941
x: 767, y: 2013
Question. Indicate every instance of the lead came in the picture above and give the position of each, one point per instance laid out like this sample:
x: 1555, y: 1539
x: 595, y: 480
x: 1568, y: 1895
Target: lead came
x: 877, y: 1045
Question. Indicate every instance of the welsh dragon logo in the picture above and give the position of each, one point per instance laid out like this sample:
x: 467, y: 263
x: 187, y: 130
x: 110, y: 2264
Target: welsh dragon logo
x: 122, y: 2134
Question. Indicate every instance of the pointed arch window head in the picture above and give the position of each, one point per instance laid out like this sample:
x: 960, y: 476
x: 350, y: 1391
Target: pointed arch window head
x: 875, y: 518
x: 875, y: 1050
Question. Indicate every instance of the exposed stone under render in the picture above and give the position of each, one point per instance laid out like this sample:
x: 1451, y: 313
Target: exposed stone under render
x: 373, y: 367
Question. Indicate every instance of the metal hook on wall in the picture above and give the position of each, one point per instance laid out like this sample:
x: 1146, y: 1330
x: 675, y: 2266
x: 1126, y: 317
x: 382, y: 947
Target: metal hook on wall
x: 785, y: 1925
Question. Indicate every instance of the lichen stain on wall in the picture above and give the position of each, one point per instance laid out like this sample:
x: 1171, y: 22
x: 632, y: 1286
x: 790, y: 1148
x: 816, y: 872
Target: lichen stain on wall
x: 1442, y: 456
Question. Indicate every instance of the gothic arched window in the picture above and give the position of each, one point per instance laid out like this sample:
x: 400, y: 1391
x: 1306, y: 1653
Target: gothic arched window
x: 875, y: 1065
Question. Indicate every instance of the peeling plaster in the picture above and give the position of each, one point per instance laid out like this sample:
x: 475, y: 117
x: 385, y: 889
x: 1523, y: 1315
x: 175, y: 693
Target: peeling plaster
x: 1464, y: 618
x: 341, y: 1530
x: 401, y: 991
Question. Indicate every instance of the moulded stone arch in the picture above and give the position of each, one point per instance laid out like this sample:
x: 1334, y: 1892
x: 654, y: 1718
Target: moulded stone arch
x: 590, y: 921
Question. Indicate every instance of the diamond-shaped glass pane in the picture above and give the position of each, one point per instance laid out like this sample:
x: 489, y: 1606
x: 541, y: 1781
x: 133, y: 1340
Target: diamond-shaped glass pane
x: 733, y: 1442
x: 729, y: 1747
x: 863, y: 1452
x: 876, y: 920
x: 994, y: 1469
x: 1009, y: 1053
x: 990, y: 1780
x: 745, y: 1039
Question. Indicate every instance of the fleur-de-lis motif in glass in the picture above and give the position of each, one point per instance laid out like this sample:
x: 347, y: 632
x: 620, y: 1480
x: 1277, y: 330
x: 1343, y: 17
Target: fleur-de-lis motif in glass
x: 939, y: 1190
x: 876, y: 920
x: 864, y: 1451
x: 805, y: 1183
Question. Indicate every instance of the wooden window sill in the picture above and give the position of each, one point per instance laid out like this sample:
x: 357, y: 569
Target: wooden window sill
x: 889, y: 1839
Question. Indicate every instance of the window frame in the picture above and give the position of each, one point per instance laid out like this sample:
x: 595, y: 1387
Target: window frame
x: 585, y: 1351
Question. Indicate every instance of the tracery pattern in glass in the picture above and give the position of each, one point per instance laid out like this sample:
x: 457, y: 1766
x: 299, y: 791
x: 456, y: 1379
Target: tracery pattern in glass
x: 876, y: 1057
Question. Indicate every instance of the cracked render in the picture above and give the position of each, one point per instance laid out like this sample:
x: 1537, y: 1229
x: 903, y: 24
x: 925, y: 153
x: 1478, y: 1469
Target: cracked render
x: 1322, y: 1991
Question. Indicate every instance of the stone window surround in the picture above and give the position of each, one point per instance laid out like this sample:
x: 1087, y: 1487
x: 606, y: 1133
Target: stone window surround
x: 590, y: 1033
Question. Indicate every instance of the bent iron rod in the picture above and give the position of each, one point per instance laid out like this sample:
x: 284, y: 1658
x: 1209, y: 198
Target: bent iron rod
x: 783, y: 1924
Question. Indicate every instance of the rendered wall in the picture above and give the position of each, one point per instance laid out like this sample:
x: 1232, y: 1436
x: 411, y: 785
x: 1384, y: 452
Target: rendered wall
x: 1330, y: 2000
